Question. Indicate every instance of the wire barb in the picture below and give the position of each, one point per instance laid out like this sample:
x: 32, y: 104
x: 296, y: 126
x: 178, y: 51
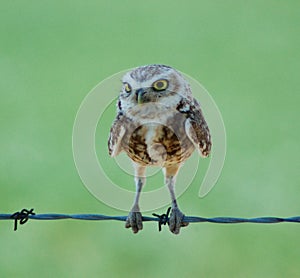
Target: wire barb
x: 163, y: 219
x: 21, y: 216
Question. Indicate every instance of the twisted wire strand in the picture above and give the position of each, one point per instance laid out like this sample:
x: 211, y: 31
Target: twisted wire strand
x: 21, y: 217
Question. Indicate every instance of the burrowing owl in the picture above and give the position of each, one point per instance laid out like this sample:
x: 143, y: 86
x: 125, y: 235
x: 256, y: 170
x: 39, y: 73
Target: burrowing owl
x: 158, y: 123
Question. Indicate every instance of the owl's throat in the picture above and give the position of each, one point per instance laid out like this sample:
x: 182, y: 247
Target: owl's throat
x: 149, y: 111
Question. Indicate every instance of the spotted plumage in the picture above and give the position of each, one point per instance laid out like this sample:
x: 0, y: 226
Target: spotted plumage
x: 158, y: 123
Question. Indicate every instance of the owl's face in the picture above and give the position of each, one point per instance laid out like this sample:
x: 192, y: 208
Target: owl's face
x: 155, y: 84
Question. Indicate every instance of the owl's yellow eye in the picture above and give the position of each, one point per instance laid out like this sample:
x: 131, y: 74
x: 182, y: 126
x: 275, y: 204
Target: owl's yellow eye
x: 160, y: 85
x: 127, y: 87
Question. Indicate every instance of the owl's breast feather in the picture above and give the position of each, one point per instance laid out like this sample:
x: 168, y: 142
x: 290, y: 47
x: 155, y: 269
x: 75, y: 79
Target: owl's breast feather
x: 157, y: 144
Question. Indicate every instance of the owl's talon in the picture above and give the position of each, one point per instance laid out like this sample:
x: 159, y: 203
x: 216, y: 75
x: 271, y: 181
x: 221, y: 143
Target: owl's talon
x: 134, y: 221
x: 176, y: 221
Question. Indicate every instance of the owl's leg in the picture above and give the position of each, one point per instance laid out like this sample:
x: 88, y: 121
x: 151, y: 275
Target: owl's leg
x: 134, y: 218
x: 176, y: 217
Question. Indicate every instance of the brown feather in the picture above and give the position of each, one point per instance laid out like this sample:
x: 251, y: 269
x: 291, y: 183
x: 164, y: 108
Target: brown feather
x: 196, y: 126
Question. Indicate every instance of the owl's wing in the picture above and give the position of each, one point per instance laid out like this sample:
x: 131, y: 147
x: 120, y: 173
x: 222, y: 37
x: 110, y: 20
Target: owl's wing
x: 117, y: 132
x: 196, y: 127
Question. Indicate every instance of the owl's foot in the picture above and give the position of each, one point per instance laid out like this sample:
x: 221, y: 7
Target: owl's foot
x: 176, y: 221
x: 134, y: 221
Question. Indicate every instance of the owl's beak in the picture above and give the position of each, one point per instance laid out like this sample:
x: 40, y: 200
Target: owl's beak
x: 139, y: 95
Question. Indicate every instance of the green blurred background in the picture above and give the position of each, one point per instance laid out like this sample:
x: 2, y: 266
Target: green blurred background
x: 246, y: 53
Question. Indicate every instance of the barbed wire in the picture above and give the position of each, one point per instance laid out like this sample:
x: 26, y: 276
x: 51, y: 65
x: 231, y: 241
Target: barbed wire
x: 21, y: 217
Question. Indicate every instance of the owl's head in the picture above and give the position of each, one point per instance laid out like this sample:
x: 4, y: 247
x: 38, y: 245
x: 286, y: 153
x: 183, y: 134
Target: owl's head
x: 157, y: 84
